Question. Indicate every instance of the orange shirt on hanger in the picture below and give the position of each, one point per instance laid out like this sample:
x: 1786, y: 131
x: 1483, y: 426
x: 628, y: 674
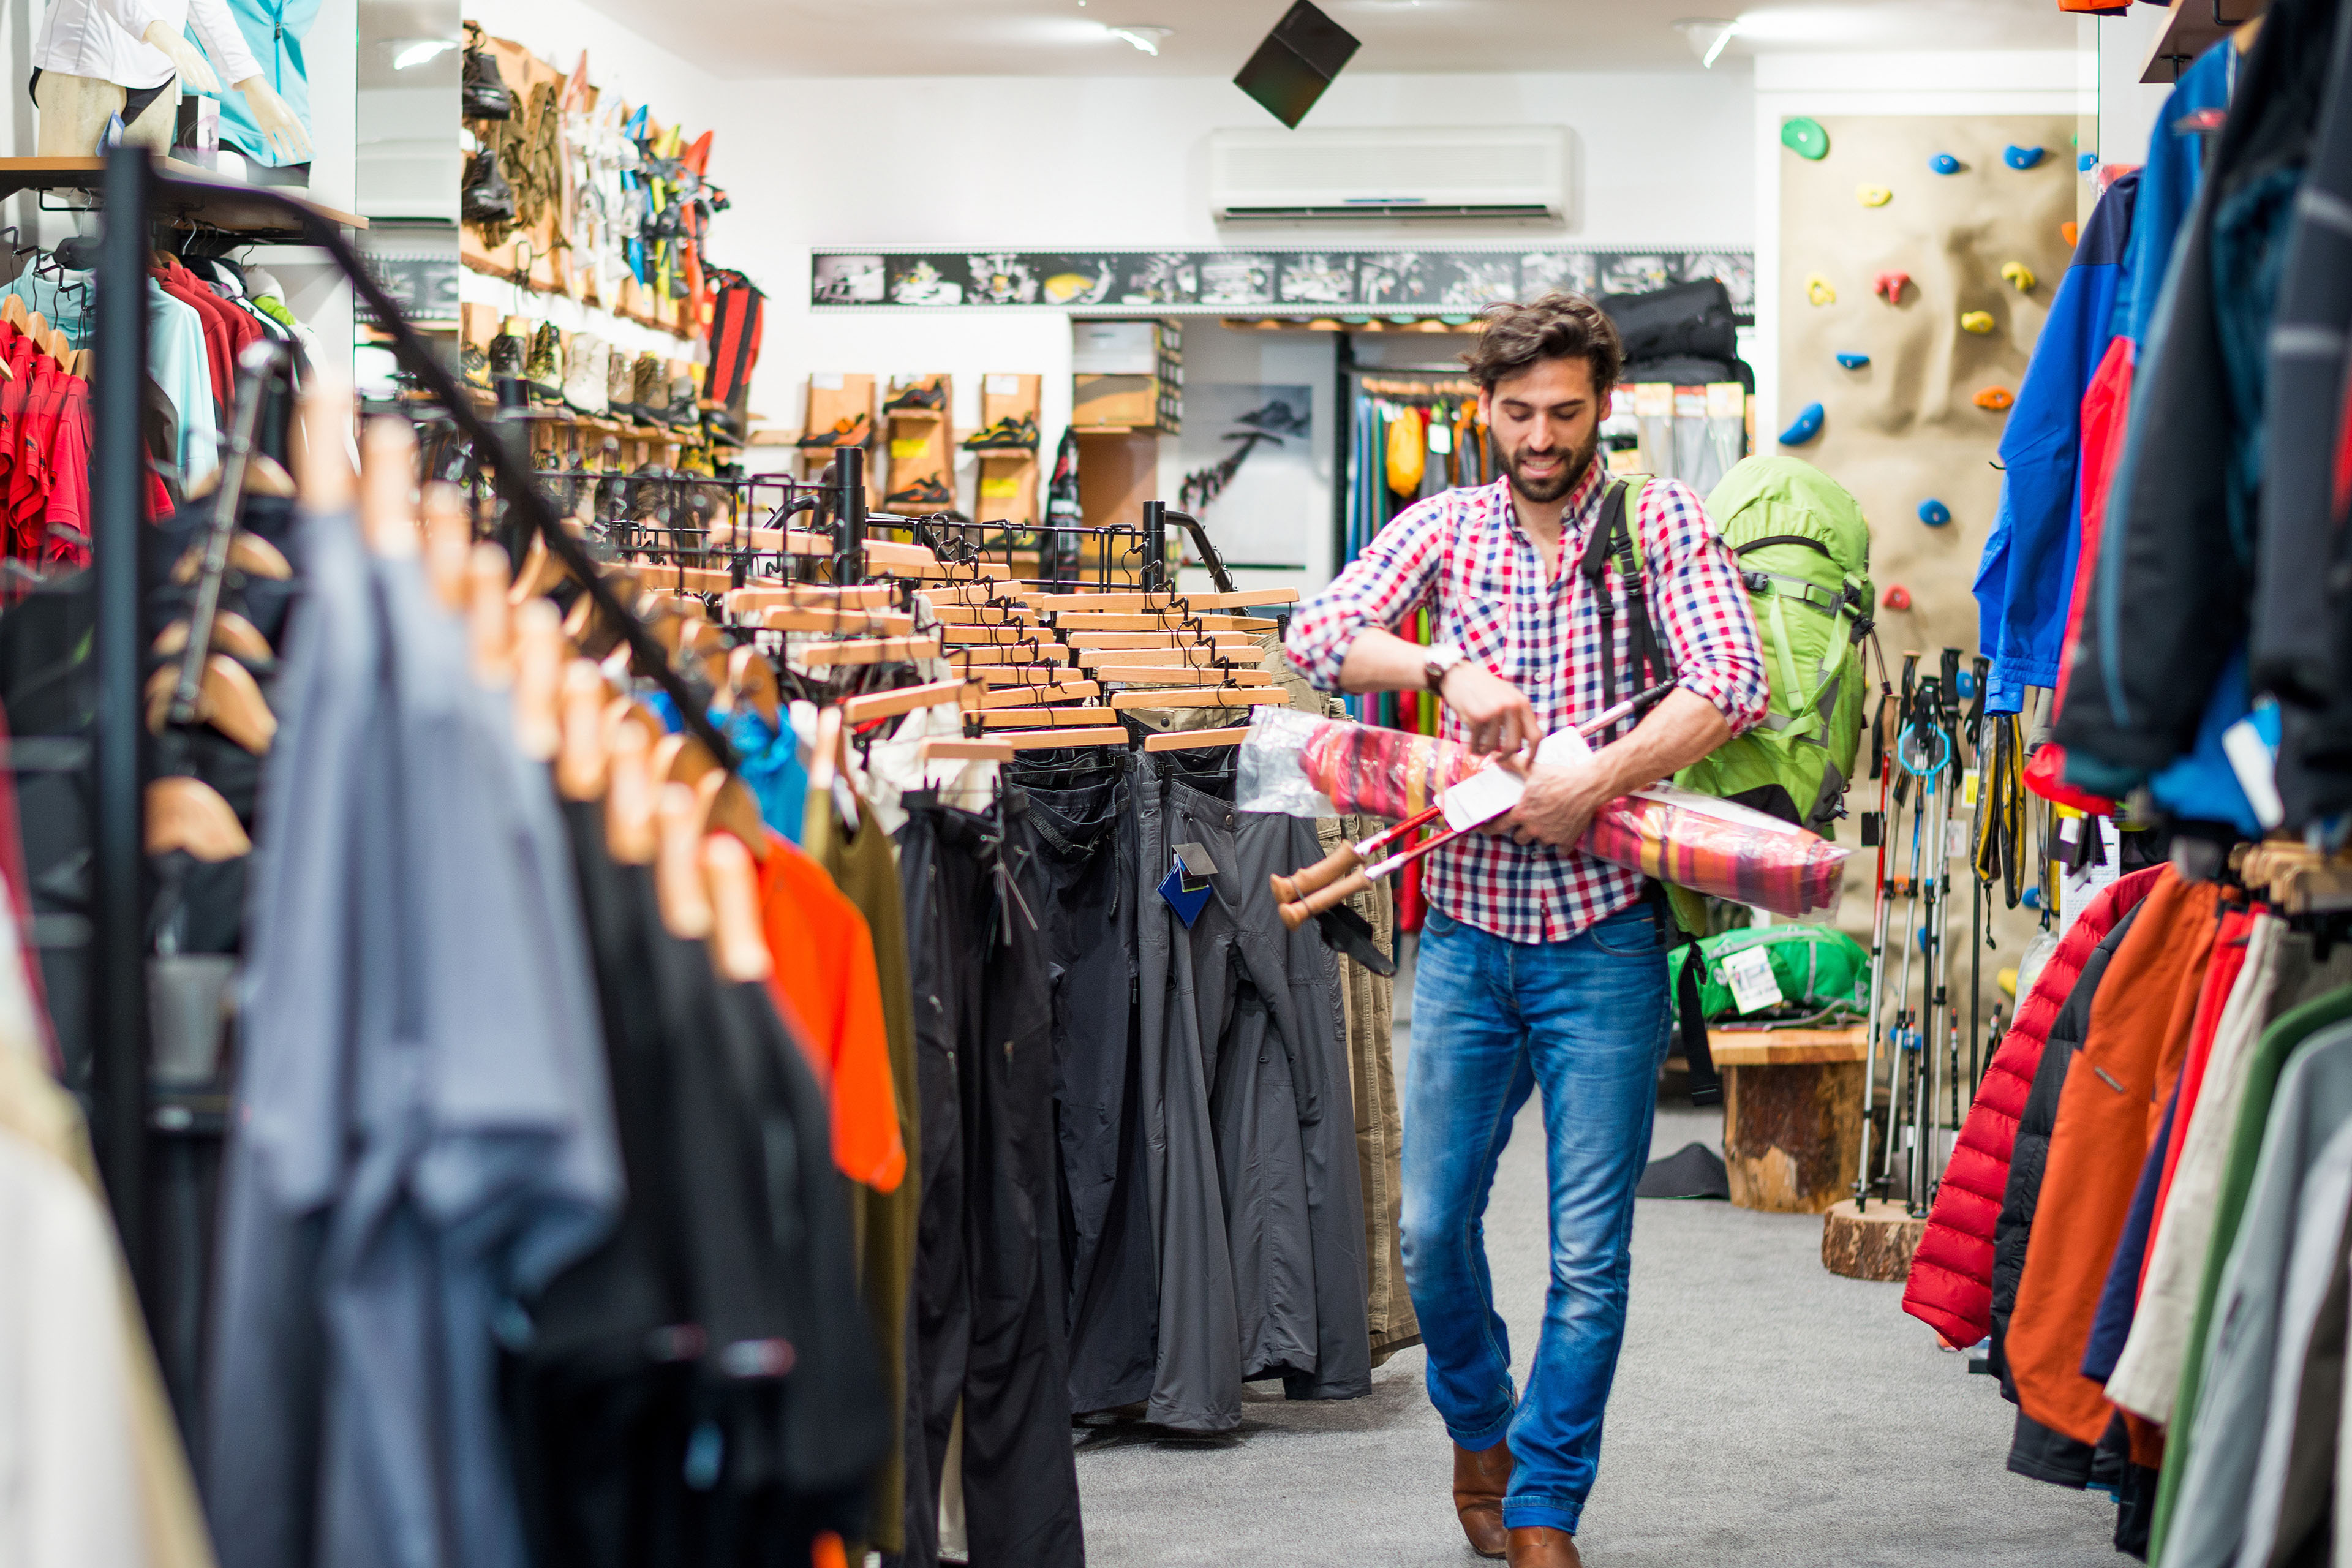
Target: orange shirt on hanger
x: 825, y: 980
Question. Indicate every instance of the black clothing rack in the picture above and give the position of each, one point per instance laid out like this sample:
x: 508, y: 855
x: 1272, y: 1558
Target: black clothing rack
x: 135, y: 191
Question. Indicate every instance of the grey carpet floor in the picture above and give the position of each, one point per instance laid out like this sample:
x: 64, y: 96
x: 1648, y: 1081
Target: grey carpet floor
x: 1766, y: 1413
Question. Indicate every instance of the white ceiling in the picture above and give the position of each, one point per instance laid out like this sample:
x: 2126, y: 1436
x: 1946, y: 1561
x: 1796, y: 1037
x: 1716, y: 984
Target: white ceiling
x: 765, y: 38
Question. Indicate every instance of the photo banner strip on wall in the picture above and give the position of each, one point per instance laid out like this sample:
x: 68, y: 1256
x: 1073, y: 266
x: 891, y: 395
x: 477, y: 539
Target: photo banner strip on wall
x: 1234, y: 280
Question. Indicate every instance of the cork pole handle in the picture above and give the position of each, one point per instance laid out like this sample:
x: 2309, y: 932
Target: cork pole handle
x: 1298, y: 912
x: 1322, y: 874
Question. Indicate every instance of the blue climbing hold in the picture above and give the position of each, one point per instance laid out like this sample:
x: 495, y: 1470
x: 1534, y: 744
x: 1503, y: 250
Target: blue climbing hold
x: 1945, y: 163
x: 2086, y: 162
x: 1966, y: 682
x: 1853, y: 362
x: 2032, y: 899
x: 1934, y: 513
x: 2021, y: 157
x: 1808, y: 425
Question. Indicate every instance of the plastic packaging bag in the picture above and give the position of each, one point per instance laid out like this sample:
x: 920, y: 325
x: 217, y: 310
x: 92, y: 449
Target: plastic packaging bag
x: 1295, y: 763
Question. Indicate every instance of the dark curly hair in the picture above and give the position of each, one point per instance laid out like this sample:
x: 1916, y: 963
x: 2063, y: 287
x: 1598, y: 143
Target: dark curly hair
x: 1557, y: 326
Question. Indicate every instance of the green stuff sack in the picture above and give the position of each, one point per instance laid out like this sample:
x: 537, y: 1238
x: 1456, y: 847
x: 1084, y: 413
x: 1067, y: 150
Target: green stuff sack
x: 1823, y: 975
x: 1804, y: 551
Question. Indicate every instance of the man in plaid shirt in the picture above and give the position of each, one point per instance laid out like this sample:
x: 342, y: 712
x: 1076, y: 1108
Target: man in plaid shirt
x: 1539, y: 966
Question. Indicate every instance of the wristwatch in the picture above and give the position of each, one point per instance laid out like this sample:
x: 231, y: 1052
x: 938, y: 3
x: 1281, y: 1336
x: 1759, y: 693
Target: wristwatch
x: 1443, y: 657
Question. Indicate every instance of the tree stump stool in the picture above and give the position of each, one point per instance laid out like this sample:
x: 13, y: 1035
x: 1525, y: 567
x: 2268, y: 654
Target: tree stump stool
x: 1791, y: 1115
x: 1876, y: 1243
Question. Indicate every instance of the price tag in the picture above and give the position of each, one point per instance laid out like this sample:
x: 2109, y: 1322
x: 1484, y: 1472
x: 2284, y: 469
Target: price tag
x: 1970, y: 784
x: 1441, y: 438
x: 1005, y: 489
x: 1653, y: 400
x: 1753, y: 985
x: 904, y: 448
x: 827, y: 380
x: 1725, y: 400
x: 1956, y: 839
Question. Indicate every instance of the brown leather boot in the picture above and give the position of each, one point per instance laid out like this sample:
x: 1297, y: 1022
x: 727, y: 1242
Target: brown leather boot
x: 1480, y: 1480
x: 1542, y: 1546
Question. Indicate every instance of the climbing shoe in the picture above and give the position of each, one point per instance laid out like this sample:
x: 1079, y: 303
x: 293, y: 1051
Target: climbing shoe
x: 1012, y: 433
x: 679, y: 410
x: 926, y: 492
x: 854, y: 432
x: 918, y: 397
x: 543, y: 367
x: 586, y: 363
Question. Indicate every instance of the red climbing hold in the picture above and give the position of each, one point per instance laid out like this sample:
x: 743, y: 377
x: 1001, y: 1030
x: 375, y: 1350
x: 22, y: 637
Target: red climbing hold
x: 1890, y: 287
x: 1896, y: 597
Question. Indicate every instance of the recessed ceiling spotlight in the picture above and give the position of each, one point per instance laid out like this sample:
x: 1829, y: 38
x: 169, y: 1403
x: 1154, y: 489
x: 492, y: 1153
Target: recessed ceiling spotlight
x: 1144, y: 36
x: 1707, y: 35
x: 416, y: 51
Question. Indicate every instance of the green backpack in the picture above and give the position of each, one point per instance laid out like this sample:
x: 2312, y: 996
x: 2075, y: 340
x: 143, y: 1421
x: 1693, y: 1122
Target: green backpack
x: 1822, y: 974
x: 1804, y: 551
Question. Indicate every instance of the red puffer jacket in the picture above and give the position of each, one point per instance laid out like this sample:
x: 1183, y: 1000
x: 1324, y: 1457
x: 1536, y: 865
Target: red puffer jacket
x: 1950, y: 1284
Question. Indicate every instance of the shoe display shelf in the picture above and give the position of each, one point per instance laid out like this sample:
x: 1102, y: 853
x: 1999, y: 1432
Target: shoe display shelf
x: 1007, y: 490
x: 1127, y: 392
x: 919, y: 443
x: 532, y: 256
x: 837, y: 400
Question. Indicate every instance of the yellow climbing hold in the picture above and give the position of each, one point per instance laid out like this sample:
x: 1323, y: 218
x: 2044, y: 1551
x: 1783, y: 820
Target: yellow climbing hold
x: 2019, y: 275
x: 1818, y: 290
x: 1873, y: 196
x: 1976, y: 321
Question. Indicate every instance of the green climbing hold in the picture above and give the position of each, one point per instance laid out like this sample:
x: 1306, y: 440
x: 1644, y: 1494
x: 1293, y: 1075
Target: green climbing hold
x: 1805, y: 138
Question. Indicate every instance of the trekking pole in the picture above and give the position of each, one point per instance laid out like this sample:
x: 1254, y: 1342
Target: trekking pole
x: 1900, y: 1064
x: 1925, y: 753
x: 1979, y: 922
x: 1882, y: 903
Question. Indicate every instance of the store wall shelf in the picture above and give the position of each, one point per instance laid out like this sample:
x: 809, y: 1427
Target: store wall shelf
x: 224, y: 203
x: 2190, y: 28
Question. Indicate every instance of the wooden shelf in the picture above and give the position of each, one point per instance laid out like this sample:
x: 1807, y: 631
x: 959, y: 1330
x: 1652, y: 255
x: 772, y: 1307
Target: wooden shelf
x: 2190, y: 28
x: 225, y: 203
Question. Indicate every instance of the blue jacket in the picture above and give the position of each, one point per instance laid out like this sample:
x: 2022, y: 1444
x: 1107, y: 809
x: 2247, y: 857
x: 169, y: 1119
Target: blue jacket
x: 274, y: 31
x: 2167, y: 185
x: 2025, y: 580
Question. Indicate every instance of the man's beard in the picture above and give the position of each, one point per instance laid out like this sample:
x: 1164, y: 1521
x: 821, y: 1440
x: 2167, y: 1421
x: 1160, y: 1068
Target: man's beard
x: 1571, y: 474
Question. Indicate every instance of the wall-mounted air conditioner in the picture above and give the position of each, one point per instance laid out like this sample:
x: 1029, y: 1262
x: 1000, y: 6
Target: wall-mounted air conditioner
x: 1513, y: 173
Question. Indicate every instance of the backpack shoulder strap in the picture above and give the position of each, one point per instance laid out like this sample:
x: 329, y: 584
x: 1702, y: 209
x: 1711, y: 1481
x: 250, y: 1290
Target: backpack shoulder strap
x: 1616, y: 535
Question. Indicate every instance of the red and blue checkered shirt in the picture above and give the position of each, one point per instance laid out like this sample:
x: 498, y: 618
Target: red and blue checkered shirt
x: 1464, y: 555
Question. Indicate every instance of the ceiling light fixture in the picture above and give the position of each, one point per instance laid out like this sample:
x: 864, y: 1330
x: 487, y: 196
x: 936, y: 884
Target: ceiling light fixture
x: 416, y: 51
x: 1144, y: 36
x: 1707, y: 35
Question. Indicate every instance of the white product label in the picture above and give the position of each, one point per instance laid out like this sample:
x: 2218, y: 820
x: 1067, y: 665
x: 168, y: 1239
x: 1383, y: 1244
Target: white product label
x: 1750, y: 974
x: 1441, y: 438
x: 828, y: 381
x: 1653, y: 400
x: 1003, y: 386
x: 1956, y: 840
x: 1725, y: 400
x: 2253, y: 761
x: 1482, y: 797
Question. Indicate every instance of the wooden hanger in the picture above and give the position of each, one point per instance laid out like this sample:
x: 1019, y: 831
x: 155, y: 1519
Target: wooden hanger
x: 682, y: 758
x: 13, y: 310
x: 543, y: 572
x: 190, y: 815
x: 752, y: 679
x: 387, y: 489
x: 489, y: 619
x: 247, y: 552
x: 37, y: 327
x: 60, y: 348
x: 448, y: 536
x: 230, y: 700
x: 264, y: 475
x: 738, y: 945
x: 538, y: 679
x: 631, y: 834
x: 677, y: 865
x: 232, y: 633
x: 907, y: 698
x: 1195, y: 739
x: 824, y: 750
x: 582, y: 757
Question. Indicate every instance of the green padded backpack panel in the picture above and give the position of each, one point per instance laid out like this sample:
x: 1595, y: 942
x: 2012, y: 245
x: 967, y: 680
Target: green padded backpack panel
x: 1803, y: 550
x: 1823, y: 972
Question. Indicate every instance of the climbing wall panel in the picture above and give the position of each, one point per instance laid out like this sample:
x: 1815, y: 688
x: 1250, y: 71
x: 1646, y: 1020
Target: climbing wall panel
x: 1907, y: 427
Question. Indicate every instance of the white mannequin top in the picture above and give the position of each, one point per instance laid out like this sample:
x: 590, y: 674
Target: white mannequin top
x: 102, y: 38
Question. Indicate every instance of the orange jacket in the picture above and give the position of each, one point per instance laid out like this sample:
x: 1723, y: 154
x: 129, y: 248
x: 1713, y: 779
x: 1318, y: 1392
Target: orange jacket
x: 2109, y: 1113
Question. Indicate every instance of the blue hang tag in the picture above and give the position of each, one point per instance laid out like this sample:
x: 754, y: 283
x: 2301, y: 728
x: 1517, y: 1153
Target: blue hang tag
x: 1188, y: 902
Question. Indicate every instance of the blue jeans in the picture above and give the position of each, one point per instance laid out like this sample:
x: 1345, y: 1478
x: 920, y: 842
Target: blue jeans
x: 1585, y: 1019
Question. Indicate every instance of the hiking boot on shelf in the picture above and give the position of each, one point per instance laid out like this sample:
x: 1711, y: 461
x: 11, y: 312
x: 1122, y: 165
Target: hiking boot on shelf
x: 921, y: 397
x: 544, y: 366
x: 474, y: 365
x: 648, y: 387
x: 680, y: 411
x: 507, y: 348
x: 928, y: 491
x: 620, y: 382
x: 1013, y: 433
x: 587, y: 369
x: 854, y: 432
